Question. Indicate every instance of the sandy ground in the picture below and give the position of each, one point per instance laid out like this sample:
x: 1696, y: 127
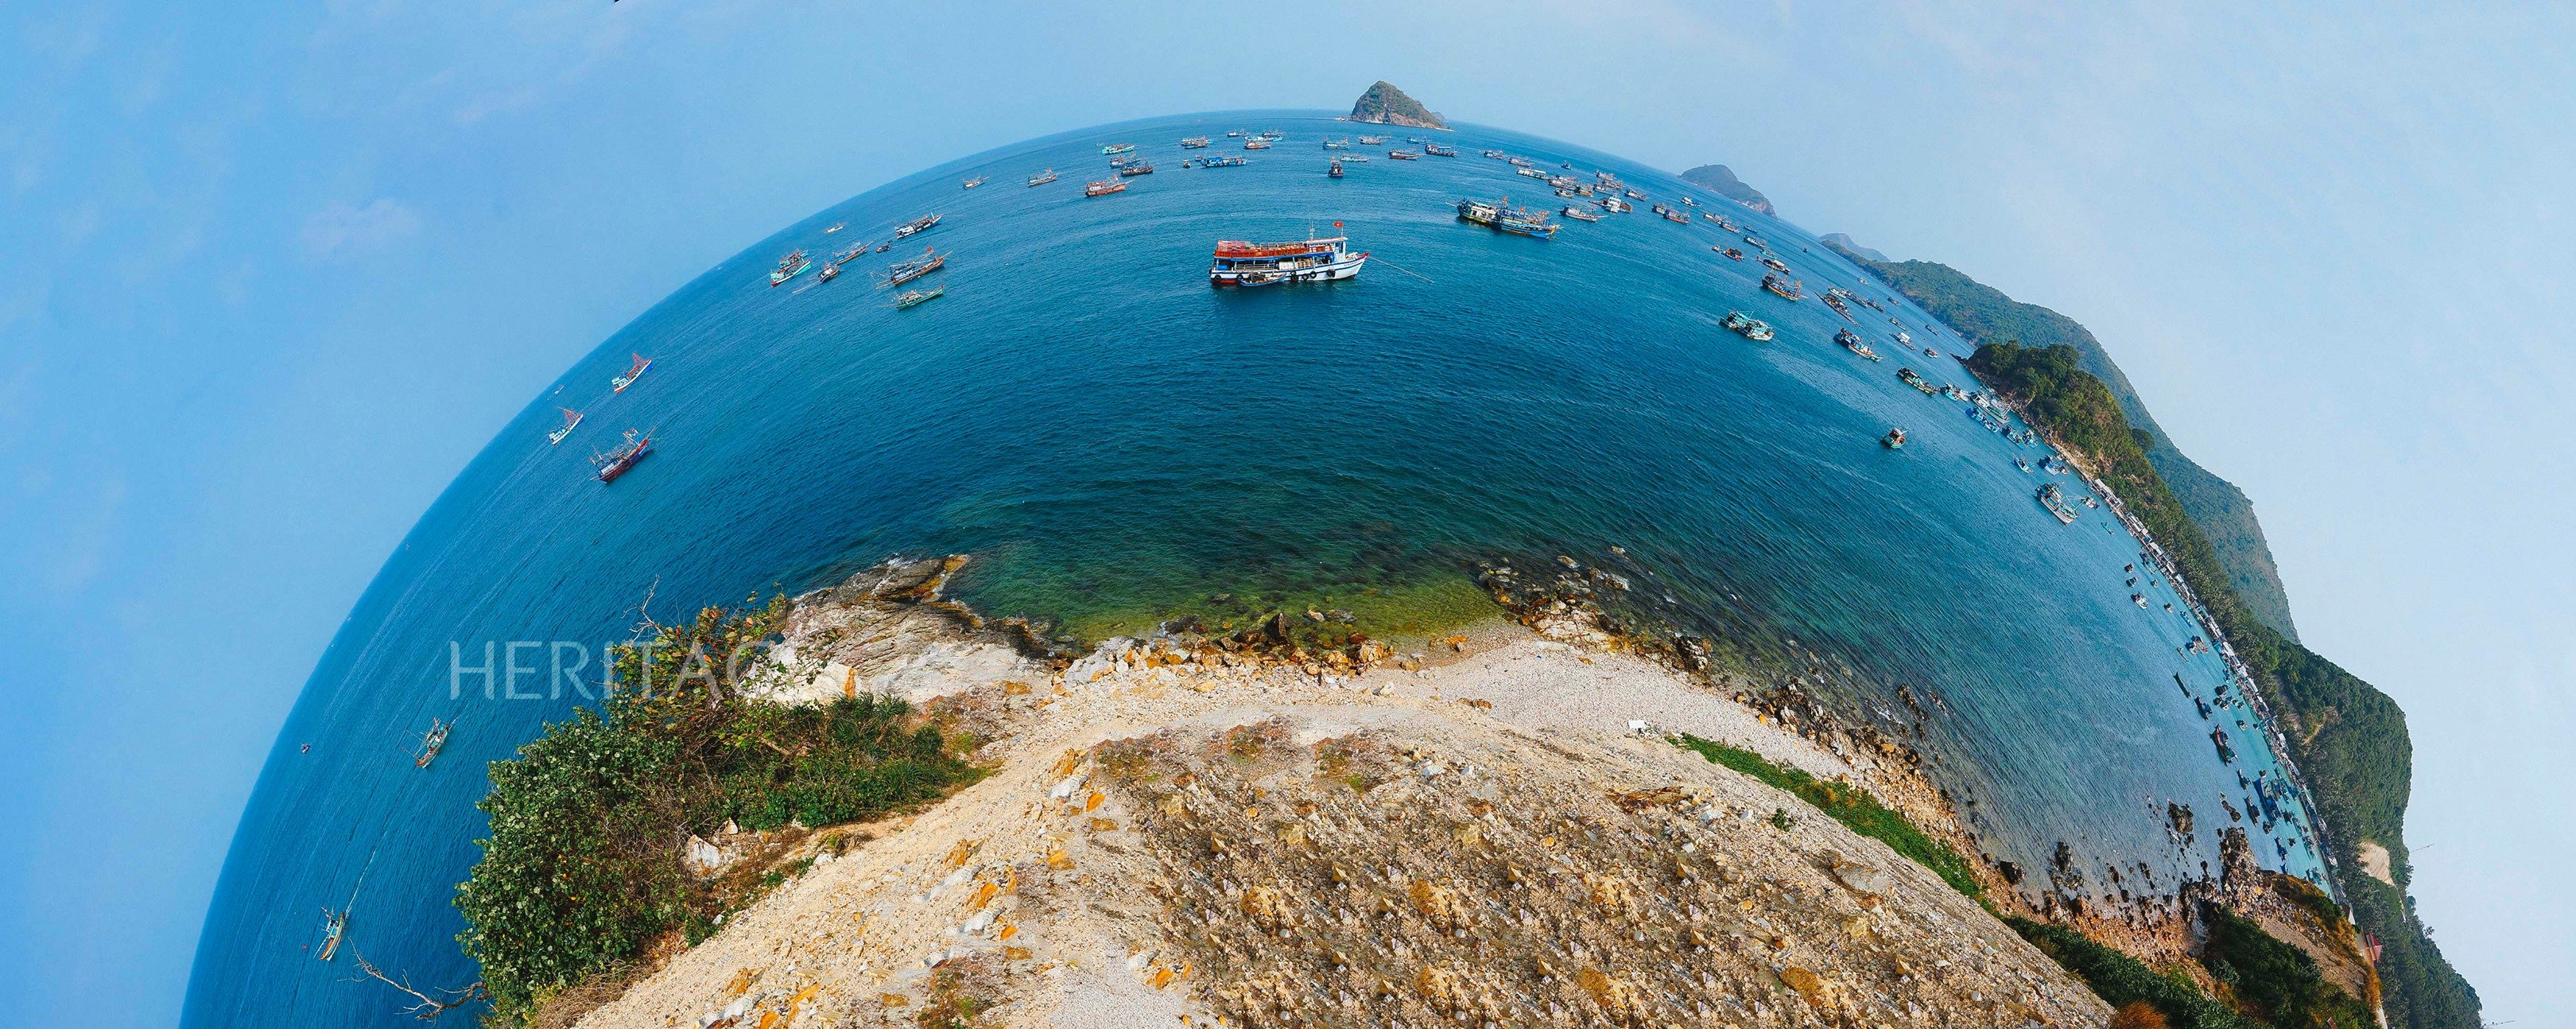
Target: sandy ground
x: 1054, y: 893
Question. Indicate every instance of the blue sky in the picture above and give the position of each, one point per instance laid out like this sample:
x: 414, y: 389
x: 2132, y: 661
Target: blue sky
x: 271, y: 274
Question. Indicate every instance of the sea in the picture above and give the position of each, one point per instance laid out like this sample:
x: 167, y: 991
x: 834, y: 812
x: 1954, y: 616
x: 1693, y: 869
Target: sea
x: 1112, y: 440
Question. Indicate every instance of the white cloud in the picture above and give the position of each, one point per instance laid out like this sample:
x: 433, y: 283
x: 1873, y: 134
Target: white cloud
x: 342, y: 225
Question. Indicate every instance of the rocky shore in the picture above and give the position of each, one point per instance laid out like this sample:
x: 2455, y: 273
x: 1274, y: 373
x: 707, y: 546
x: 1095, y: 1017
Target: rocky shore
x: 1295, y: 824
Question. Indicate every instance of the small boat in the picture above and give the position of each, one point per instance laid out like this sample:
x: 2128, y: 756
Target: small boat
x: 615, y: 462
x: 1503, y: 218
x: 788, y: 266
x: 1523, y: 162
x: 1677, y: 215
x: 974, y: 182
x: 1138, y: 168
x: 1336, y: 144
x: 1236, y: 134
x: 902, y: 272
x: 1356, y: 158
x: 1894, y: 440
x: 1404, y: 155
x: 633, y: 372
x: 836, y: 227
x: 883, y: 247
x: 1117, y: 148
x: 1615, y: 205
x: 1256, y: 144
x: 1042, y: 178
x: 2050, y: 498
x: 1211, y: 162
x: 1774, y: 264
x: 1317, y: 259
x: 1634, y: 195
x: 335, y: 927
x: 1785, y: 288
x: 916, y: 226
x: 1920, y: 384
x: 1272, y: 135
x: 1495, y: 154
x: 1336, y: 170
x: 432, y: 742
x: 1747, y: 326
x: 1532, y: 173
x: 1578, y: 213
x: 1195, y: 143
x: 1372, y: 140
x: 1686, y: 200
x: 829, y: 272
x: 915, y: 298
x: 1436, y: 150
x: 1731, y: 253
x: 844, y: 257
x: 1102, y: 189
x: 571, y: 418
x: 1757, y: 243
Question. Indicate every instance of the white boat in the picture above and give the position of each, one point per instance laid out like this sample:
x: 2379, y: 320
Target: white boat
x: 571, y: 418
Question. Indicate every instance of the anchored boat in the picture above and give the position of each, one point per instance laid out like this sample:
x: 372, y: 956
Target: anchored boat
x: 615, y: 462
x: 432, y: 742
x: 902, y: 272
x: 2055, y: 501
x: 1577, y: 212
x: 1117, y: 148
x: 1195, y: 143
x: 633, y: 372
x: 1502, y: 217
x: 571, y: 418
x: 1102, y: 189
x: 1747, y: 326
x: 915, y: 298
x: 916, y: 226
x: 1784, y: 287
x: 1322, y: 259
x: 788, y: 267
x: 1042, y: 178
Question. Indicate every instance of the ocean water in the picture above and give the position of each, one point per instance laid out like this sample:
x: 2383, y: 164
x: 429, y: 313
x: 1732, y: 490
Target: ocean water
x: 1113, y: 439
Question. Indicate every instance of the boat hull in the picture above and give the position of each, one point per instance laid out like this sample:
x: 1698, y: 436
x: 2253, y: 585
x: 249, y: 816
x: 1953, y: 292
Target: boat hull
x: 1345, y: 267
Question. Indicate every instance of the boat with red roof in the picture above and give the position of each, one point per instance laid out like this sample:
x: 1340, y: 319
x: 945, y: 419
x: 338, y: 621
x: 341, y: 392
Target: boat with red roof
x: 1318, y: 259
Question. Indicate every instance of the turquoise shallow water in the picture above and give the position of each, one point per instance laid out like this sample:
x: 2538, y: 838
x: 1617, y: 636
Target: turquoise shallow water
x: 1104, y: 431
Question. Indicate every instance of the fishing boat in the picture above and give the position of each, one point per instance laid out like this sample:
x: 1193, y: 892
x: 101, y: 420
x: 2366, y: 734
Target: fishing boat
x: 836, y: 227
x: 1404, y: 155
x: 1217, y: 162
x: 1356, y: 158
x: 1336, y: 170
x: 788, y: 266
x: 1920, y: 384
x: 1615, y: 205
x: 1272, y: 135
x: 1256, y: 143
x: 902, y: 272
x: 633, y: 372
x: 1532, y: 173
x: 1042, y: 178
x: 1436, y: 150
x: 1495, y: 154
x: 1372, y: 140
x: 829, y: 272
x: 1676, y: 215
x: 1854, y: 344
x: 1117, y: 148
x: 432, y: 742
x: 846, y: 256
x: 1747, y: 326
x: 1774, y: 264
x: 1756, y: 242
x: 1317, y: 259
x: 1786, y: 288
x: 335, y: 927
x: 571, y: 418
x: 1236, y: 134
x: 974, y: 182
x: 1336, y: 144
x: 1894, y: 440
x: 1836, y: 303
x: 1102, y: 189
x: 1138, y: 168
x: 1523, y: 162
x: 1195, y: 143
x: 615, y: 462
x: 1634, y: 195
x: 1731, y: 253
x: 2050, y: 498
x: 914, y: 298
x: 1578, y: 213
x: 915, y: 227
x: 1686, y: 200
x: 1502, y: 217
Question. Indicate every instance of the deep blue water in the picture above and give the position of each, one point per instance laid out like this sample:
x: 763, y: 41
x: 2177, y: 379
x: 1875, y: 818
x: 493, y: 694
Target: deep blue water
x: 1105, y: 431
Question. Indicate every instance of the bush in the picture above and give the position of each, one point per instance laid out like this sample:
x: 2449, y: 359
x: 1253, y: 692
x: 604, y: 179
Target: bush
x: 2274, y: 981
x: 2122, y: 981
x: 582, y: 871
x: 1852, y: 807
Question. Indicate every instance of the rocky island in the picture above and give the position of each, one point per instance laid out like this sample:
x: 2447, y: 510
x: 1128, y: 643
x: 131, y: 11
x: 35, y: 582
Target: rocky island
x: 1721, y: 180
x: 1387, y: 105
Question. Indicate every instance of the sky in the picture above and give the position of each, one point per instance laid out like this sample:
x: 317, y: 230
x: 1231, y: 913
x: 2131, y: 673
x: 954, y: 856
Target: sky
x: 271, y: 274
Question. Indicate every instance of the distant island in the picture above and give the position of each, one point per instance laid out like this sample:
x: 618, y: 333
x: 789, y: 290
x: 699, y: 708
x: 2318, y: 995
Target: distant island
x: 1387, y: 105
x: 1717, y: 178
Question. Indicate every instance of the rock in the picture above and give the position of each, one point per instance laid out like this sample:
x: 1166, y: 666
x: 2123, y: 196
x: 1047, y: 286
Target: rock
x: 703, y: 859
x: 1805, y: 982
x: 1387, y: 105
x: 1866, y: 880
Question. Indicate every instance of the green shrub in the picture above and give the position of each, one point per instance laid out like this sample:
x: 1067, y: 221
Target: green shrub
x: 2275, y: 981
x: 582, y: 870
x: 2120, y: 979
x: 1851, y: 806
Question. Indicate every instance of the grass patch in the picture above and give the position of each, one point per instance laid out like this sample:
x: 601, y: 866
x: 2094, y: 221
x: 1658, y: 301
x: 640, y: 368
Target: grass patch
x: 582, y: 872
x: 1404, y: 614
x: 2275, y: 981
x: 2121, y: 980
x: 1851, y: 806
